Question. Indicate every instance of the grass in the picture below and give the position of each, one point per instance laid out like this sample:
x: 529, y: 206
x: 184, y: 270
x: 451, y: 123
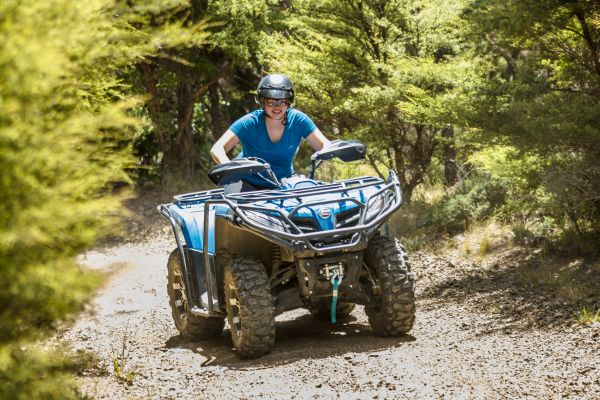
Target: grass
x: 410, y: 224
x: 414, y: 243
x: 475, y: 243
x: 481, y: 239
x: 429, y: 193
x: 123, y: 372
x: 589, y: 316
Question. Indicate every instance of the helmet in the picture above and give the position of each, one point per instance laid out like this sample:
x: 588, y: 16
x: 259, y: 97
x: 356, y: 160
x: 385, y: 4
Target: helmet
x: 275, y: 86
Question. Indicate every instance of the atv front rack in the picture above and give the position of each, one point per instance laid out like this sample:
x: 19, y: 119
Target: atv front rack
x: 263, y: 212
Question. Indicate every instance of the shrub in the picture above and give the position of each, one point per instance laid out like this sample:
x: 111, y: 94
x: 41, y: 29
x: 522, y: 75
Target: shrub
x: 63, y: 143
x: 552, y: 199
x: 474, y: 199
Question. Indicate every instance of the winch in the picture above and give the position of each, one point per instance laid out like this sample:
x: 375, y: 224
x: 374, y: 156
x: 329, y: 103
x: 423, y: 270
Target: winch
x: 327, y: 271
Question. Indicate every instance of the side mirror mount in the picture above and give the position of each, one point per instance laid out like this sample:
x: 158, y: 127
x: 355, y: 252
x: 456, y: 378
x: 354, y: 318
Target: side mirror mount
x: 235, y: 170
x: 345, y: 150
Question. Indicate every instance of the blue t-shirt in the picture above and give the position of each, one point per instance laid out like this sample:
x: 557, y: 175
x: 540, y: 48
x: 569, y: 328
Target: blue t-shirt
x: 251, y: 129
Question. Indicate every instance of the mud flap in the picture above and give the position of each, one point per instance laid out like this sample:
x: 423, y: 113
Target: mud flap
x: 195, y: 260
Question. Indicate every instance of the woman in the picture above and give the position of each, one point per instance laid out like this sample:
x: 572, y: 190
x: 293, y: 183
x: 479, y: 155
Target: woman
x: 272, y: 133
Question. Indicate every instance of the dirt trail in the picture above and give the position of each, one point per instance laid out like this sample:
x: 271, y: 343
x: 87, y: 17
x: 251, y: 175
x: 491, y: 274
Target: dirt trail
x: 479, y: 335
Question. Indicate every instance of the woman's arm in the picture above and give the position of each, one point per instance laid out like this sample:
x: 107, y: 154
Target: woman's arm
x: 222, y: 146
x: 317, y: 140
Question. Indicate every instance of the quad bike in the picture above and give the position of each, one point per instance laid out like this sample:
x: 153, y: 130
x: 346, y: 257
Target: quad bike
x: 247, y: 257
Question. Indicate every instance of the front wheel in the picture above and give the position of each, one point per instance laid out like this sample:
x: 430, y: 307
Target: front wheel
x: 395, y: 315
x: 250, y: 308
x: 193, y: 327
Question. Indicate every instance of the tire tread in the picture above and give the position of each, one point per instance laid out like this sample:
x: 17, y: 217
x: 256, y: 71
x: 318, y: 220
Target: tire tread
x: 396, y: 314
x: 257, y: 311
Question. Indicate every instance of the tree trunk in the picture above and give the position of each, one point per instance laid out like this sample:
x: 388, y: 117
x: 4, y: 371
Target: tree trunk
x: 156, y: 109
x: 405, y: 186
x: 159, y: 115
x: 413, y: 165
x: 373, y: 161
x: 216, y: 117
x: 449, y: 155
x: 589, y: 40
x: 175, y: 134
x: 178, y: 154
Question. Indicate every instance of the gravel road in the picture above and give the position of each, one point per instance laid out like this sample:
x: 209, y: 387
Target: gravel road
x: 479, y: 334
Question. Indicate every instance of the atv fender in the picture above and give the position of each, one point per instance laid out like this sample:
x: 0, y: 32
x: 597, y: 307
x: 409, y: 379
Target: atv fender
x: 198, y: 231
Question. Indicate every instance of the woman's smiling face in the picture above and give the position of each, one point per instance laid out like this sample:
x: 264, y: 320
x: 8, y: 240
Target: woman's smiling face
x: 275, y: 108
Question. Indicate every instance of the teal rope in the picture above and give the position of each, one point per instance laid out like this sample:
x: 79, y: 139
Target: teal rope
x: 335, y: 281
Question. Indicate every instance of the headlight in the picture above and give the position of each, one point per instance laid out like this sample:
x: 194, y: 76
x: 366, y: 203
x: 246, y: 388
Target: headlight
x: 374, y: 207
x: 266, y: 220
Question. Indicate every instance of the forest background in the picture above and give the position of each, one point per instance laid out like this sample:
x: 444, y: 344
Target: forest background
x: 488, y: 110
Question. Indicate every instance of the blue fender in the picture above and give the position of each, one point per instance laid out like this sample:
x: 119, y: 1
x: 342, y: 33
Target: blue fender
x: 191, y: 222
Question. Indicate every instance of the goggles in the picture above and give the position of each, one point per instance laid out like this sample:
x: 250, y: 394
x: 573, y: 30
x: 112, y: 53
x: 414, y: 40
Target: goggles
x: 276, y: 103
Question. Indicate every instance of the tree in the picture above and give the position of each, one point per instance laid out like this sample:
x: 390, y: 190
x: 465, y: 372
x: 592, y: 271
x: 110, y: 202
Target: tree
x: 388, y: 72
x: 65, y: 134
x: 183, y: 80
x: 541, y: 95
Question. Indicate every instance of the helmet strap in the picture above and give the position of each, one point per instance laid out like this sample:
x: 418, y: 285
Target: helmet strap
x: 285, y: 117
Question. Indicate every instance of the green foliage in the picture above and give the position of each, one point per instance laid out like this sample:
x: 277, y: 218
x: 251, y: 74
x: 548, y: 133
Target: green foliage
x: 30, y: 373
x: 205, y: 46
x: 33, y: 374
x: 474, y: 199
x: 550, y: 199
x: 64, y: 134
x: 121, y: 372
x: 536, y: 232
x: 589, y: 316
x: 385, y: 72
x: 57, y: 155
x: 415, y: 242
x: 541, y: 96
x: 523, y: 174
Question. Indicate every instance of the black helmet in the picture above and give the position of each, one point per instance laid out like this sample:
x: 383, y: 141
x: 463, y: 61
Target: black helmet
x: 275, y: 86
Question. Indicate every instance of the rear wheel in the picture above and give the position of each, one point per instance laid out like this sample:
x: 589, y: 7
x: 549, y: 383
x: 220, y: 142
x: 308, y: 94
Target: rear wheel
x: 193, y: 327
x: 250, y: 308
x: 396, y: 314
x: 342, y: 310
